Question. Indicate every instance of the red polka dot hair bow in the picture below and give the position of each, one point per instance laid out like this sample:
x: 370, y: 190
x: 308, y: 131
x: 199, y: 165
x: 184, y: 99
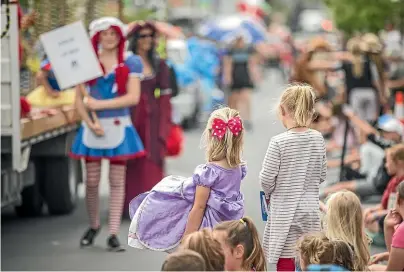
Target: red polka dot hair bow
x: 219, y: 127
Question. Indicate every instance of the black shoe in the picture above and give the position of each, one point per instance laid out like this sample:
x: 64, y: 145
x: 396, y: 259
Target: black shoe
x: 114, y: 245
x: 89, y: 236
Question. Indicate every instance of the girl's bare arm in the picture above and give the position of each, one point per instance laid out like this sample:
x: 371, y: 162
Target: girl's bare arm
x: 253, y: 62
x: 227, y: 68
x: 198, y: 210
x: 81, y: 109
x: 396, y: 260
x: 42, y: 80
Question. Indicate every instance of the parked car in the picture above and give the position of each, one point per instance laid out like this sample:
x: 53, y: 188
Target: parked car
x: 188, y: 103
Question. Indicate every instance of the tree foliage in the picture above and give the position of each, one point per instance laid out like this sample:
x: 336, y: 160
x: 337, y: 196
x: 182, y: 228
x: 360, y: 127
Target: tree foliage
x: 353, y: 16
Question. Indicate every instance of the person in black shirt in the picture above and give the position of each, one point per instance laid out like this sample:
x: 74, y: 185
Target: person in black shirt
x: 238, y: 77
x: 362, y: 82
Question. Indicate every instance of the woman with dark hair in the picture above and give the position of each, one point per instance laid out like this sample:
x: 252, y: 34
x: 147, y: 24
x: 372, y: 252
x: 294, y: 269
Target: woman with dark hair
x: 152, y: 116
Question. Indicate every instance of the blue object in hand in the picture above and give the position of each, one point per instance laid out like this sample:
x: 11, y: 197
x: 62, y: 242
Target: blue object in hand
x: 264, y: 206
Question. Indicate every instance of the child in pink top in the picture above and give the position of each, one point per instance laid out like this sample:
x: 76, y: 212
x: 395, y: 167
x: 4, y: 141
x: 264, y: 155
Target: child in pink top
x: 394, y: 236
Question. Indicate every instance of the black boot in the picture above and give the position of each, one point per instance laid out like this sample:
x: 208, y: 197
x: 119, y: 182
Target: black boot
x: 88, y: 237
x: 114, y: 244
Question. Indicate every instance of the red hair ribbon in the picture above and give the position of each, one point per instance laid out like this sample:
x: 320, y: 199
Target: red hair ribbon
x: 219, y: 127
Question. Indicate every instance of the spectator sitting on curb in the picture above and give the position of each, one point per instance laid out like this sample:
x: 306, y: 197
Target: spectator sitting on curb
x: 371, y: 178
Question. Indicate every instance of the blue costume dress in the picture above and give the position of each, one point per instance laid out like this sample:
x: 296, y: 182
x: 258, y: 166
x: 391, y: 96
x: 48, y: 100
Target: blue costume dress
x: 120, y: 141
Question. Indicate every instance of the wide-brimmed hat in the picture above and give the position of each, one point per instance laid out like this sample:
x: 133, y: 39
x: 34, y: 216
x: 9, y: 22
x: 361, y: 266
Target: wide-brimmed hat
x: 318, y: 43
x: 372, y: 43
x: 356, y: 45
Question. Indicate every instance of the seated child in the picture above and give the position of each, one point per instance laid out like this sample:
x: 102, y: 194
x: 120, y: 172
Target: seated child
x: 394, y: 236
x: 184, y: 260
x: 49, y: 94
x: 210, y: 249
x: 344, y: 221
x: 241, y: 245
x: 317, y: 249
x: 374, y: 216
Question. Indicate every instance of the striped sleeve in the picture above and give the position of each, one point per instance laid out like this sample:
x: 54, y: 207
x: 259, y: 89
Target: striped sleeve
x: 270, y: 168
x: 324, y: 165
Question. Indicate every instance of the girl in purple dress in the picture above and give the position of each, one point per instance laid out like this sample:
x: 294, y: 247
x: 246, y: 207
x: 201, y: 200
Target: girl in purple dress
x: 178, y: 206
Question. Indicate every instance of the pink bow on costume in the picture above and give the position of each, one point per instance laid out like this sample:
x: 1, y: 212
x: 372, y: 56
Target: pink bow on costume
x: 219, y: 127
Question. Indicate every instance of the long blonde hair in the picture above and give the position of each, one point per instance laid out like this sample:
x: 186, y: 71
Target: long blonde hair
x: 299, y: 100
x: 243, y: 232
x: 210, y: 249
x: 355, y: 46
x: 374, y: 48
x: 344, y: 221
x: 230, y: 147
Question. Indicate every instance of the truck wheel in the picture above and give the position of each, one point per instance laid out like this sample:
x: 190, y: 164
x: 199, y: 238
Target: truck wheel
x: 32, y: 201
x: 62, y: 176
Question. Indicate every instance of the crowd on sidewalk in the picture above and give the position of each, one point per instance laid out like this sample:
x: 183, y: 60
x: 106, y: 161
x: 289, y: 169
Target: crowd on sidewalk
x: 361, y: 117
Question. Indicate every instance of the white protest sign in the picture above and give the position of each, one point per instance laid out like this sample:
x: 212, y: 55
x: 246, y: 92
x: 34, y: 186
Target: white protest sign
x: 71, y: 55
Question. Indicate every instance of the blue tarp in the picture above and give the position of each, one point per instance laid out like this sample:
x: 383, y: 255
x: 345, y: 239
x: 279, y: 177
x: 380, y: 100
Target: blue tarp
x: 203, y: 64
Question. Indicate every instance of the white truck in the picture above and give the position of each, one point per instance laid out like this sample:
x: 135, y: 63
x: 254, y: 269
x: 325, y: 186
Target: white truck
x: 35, y: 169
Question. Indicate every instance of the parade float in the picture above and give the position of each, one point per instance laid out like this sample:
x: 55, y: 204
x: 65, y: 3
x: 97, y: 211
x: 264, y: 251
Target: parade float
x: 35, y: 168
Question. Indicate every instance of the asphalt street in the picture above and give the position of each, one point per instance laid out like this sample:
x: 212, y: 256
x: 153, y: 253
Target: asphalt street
x: 52, y: 243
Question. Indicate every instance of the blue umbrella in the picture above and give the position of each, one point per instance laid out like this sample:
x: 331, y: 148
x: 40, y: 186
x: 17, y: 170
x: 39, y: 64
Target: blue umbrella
x: 228, y: 28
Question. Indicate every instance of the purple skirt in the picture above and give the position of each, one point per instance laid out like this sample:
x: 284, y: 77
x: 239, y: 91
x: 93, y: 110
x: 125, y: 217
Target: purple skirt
x: 160, y: 216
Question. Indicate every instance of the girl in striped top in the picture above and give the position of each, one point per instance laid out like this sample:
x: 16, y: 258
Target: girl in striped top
x: 294, y: 166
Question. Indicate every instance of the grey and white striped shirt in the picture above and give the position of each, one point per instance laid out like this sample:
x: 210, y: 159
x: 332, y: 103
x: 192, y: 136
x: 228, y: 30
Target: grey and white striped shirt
x: 294, y: 166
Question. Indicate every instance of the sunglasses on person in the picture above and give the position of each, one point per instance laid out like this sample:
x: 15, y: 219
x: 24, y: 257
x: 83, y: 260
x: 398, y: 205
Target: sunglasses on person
x: 143, y: 36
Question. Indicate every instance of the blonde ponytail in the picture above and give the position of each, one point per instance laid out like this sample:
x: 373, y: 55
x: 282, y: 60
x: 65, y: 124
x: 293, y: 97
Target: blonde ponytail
x: 354, y: 46
x: 299, y: 101
x: 256, y: 258
x: 243, y: 232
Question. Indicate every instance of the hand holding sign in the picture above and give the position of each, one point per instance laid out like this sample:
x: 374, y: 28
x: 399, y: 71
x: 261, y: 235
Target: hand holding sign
x: 95, y: 126
x: 73, y: 60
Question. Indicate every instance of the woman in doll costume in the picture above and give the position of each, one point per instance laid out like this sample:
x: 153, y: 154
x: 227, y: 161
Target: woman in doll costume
x: 152, y: 116
x: 111, y: 135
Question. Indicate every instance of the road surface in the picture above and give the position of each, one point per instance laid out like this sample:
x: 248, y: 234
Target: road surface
x: 52, y: 243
